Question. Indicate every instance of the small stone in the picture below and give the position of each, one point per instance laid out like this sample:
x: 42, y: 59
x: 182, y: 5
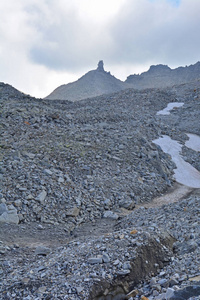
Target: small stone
x: 18, y: 203
x: 12, y: 209
x: 111, y: 215
x: 22, y: 189
x: 106, y: 258
x: 162, y: 273
x: 152, y: 282
x: 123, y: 272
x: 73, y: 212
x: 3, y: 200
x: 30, y: 155
x: 95, y: 260
x: 25, y: 280
x: 107, y: 202
x: 61, y: 180
x: 41, y: 197
x: 173, y: 282
x: 41, y: 250
x: 155, y: 293
x: 126, y: 266
x: 157, y: 287
x: 169, y: 293
x: 116, y: 262
x: 133, y: 231
x: 41, y: 268
x: 40, y: 227
x: 79, y: 289
x: 42, y: 289
x: 163, y: 282
x: 3, y: 208
x: 127, y: 203
x: 48, y: 172
x: 9, y: 217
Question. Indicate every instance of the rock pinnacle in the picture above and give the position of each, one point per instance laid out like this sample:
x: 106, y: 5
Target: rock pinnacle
x: 100, y: 66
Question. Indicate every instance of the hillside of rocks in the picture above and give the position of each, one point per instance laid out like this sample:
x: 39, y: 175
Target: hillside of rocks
x: 82, y: 213
x: 94, y: 83
x: 161, y: 76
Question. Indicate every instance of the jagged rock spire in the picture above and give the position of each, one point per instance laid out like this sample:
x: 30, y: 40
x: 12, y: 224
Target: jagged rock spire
x: 100, y: 66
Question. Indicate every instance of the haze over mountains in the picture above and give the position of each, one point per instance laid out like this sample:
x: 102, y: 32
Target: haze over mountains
x: 98, y: 82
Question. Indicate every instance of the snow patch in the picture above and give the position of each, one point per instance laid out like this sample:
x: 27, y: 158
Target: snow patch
x: 193, y: 142
x: 170, y: 106
x: 185, y: 173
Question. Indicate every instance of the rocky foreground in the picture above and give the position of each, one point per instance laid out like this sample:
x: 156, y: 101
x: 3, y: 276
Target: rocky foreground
x: 78, y: 183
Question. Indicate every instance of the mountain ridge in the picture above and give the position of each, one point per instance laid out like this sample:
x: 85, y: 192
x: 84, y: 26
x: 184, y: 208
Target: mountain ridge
x: 160, y: 76
x: 99, y: 82
x: 93, y: 83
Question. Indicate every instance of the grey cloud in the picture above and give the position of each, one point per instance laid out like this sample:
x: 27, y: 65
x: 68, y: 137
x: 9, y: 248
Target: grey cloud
x: 66, y: 43
x: 156, y: 33
x: 143, y: 32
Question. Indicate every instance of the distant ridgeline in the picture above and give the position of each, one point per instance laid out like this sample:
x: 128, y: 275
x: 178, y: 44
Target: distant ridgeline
x: 162, y: 76
x: 94, y: 83
x: 98, y: 82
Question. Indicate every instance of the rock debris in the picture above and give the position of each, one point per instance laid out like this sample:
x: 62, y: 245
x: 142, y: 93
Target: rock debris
x: 76, y: 182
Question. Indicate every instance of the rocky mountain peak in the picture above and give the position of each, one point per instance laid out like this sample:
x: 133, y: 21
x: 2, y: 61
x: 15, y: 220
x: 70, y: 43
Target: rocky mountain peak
x: 94, y: 83
x: 159, y: 69
x: 100, y: 66
x: 160, y: 76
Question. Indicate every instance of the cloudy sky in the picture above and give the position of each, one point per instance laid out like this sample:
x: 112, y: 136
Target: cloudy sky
x: 46, y: 43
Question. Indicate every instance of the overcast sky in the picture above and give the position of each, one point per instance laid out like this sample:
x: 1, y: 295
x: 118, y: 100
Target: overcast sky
x: 46, y: 43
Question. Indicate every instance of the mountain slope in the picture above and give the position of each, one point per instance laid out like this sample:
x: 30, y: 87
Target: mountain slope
x: 6, y: 90
x: 160, y: 76
x: 94, y: 83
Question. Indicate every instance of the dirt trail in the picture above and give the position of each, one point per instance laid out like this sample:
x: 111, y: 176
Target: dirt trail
x: 30, y: 235
x: 174, y: 194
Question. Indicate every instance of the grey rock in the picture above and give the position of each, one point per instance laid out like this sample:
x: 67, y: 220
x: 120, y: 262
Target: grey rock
x: 73, y: 212
x: 95, y: 260
x: 41, y: 197
x: 18, y: 203
x: 116, y: 262
x: 3, y: 208
x: 163, y: 282
x: 186, y: 293
x: 152, y: 281
x: 127, y: 203
x: 61, y: 180
x: 123, y: 272
x: 9, y: 217
x: 48, y: 172
x: 169, y: 293
x: 105, y: 258
x: 185, y: 247
x: 173, y: 282
x: 126, y: 265
x: 42, y: 250
x: 79, y: 289
x: 111, y: 215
